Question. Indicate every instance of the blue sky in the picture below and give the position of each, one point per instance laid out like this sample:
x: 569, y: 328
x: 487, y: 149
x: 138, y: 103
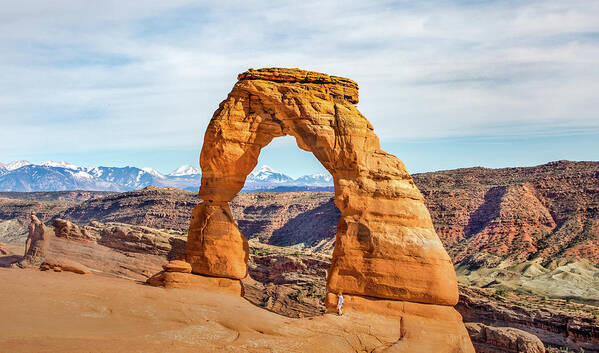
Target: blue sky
x: 446, y: 84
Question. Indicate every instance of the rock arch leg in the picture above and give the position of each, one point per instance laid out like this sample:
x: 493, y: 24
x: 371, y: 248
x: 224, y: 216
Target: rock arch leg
x: 215, y: 246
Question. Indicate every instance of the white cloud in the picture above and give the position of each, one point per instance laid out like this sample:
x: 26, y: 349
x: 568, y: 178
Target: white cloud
x: 115, y: 74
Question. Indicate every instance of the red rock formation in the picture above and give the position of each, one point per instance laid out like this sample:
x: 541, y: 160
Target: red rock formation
x: 138, y: 239
x: 37, y: 242
x: 177, y: 274
x: 67, y: 230
x: 546, y: 211
x: 123, y: 250
x: 385, y: 242
x: 156, y: 207
x: 386, y: 246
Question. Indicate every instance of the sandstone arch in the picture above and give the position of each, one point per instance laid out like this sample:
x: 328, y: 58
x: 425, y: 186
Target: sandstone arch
x: 386, y: 246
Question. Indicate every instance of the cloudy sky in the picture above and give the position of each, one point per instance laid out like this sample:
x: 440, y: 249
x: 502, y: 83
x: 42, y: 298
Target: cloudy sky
x: 446, y: 84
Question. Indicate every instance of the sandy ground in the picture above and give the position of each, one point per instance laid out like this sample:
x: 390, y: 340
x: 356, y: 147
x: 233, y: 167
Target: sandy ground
x: 66, y: 312
x: 47, y: 311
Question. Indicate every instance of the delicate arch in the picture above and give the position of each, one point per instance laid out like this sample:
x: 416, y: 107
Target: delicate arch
x: 385, y: 247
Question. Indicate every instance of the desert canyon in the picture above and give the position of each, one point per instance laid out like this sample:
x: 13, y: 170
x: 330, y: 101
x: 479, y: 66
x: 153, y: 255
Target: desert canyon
x: 161, y: 269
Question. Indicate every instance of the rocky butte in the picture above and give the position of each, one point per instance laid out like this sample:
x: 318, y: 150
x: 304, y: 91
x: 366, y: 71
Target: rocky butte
x: 387, y: 257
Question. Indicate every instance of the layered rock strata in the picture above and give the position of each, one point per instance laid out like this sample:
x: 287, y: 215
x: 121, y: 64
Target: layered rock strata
x: 385, y: 247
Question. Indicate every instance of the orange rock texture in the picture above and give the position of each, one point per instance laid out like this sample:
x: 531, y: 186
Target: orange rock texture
x: 385, y: 247
x: 215, y: 246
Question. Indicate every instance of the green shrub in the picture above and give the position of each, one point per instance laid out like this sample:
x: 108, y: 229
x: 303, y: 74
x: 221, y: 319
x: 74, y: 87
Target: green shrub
x: 297, y: 295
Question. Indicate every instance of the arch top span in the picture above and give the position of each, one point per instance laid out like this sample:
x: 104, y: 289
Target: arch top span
x: 343, y: 87
x: 385, y: 247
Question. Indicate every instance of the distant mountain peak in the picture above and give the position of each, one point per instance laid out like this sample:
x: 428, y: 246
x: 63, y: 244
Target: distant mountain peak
x: 16, y: 165
x: 153, y: 172
x: 264, y: 169
x: 266, y: 174
x: 321, y: 176
x: 61, y: 164
x: 185, y: 170
x: 52, y: 175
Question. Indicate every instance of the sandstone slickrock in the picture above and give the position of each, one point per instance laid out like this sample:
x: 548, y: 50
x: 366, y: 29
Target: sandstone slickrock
x: 62, y: 264
x: 386, y: 245
x: 177, y: 274
x: 104, y: 314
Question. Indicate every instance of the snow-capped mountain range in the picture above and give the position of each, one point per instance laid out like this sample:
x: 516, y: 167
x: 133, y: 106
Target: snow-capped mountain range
x: 59, y: 176
x: 266, y: 173
x: 185, y: 170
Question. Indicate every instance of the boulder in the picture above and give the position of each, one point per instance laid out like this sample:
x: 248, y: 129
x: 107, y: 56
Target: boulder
x: 192, y: 281
x: 489, y: 339
x: 177, y: 266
